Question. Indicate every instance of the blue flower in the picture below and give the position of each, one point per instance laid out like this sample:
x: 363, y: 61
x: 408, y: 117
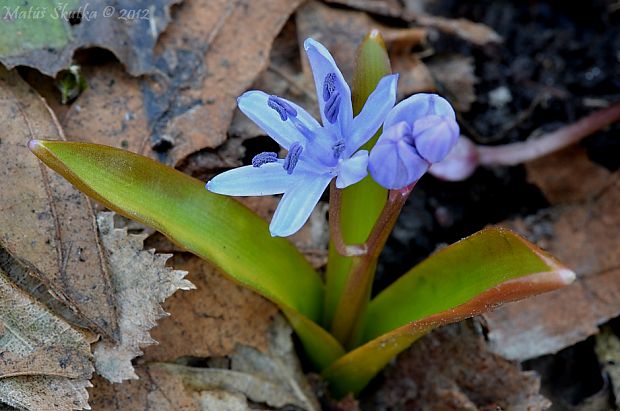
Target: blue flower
x: 316, y: 153
x: 419, y: 131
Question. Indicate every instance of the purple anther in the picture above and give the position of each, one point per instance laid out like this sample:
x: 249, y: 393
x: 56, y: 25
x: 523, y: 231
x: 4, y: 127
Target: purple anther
x: 332, y: 107
x: 329, y: 86
x: 283, y: 108
x: 337, y: 149
x: 292, y: 157
x: 264, y: 158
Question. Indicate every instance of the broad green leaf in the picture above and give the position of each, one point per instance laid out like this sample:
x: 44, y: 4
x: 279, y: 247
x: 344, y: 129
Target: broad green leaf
x: 470, y: 277
x: 216, y: 228
x: 320, y: 346
x: 362, y: 202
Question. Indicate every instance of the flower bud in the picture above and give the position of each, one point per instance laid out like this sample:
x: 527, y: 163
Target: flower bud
x: 459, y: 164
x: 419, y: 131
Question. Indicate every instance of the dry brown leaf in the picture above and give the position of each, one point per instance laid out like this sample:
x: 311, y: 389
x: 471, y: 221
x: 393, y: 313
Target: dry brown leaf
x: 130, y: 32
x: 48, y: 226
x: 452, y: 369
x: 212, y: 320
x: 583, y: 234
x: 44, y: 363
x: 390, y: 8
x: 568, y: 176
x: 342, y: 31
x: 475, y: 33
x: 141, y: 282
x: 189, y: 106
x: 273, y: 378
x: 455, y: 79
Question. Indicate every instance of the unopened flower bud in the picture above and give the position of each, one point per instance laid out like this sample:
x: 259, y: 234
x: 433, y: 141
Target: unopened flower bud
x: 459, y: 164
x: 418, y: 132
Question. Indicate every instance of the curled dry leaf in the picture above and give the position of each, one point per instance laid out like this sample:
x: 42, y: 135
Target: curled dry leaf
x: 452, y: 369
x: 44, y: 363
x: 141, y: 282
x: 46, y: 35
x: 272, y: 378
x: 48, y: 226
x: 189, y: 105
x: 582, y: 232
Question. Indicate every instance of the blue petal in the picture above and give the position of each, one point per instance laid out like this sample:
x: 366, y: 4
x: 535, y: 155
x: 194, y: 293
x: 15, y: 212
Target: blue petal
x: 267, y: 179
x: 322, y: 64
x: 254, y: 105
x: 297, y: 204
x: 374, y: 112
x: 352, y: 170
x: 418, y: 106
x: 393, y: 163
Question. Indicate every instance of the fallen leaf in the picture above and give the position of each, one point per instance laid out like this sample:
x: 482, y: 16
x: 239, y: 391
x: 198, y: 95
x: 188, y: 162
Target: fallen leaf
x: 568, y: 176
x: 583, y: 234
x: 141, y: 282
x: 390, y: 8
x: 342, y: 31
x: 43, y: 361
x: 273, y: 378
x: 455, y: 79
x: 452, y: 369
x: 48, y: 226
x: 189, y: 105
x: 475, y: 33
x: 212, y: 320
x: 45, y: 35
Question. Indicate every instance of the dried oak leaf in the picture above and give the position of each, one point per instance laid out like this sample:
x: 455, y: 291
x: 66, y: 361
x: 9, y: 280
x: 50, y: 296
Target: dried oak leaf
x: 455, y: 79
x: 208, y: 56
x: 272, y: 378
x: 47, y: 226
x: 452, y: 369
x: 212, y: 320
x: 342, y: 31
x: 45, y: 35
x: 141, y: 282
x: 583, y: 234
x: 44, y: 363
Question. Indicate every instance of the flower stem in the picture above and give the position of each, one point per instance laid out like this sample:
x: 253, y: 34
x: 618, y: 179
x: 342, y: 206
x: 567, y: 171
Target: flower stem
x: 348, y: 318
x: 335, y: 230
x: 517, y: 153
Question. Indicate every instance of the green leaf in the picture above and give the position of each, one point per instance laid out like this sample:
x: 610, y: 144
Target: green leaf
x: 216, y: 228
x: 470, y: 277
x: 320, y: 346
x: 362, y: 202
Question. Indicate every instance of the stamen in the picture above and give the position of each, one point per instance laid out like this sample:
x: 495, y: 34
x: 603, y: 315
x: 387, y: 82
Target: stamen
x: 337, y: 149
x: 332, y: 107
x: 303, y: 129
x: 264, y: 158
x: 329, y: 86
x: 292, y: 157
x: 283, y: 108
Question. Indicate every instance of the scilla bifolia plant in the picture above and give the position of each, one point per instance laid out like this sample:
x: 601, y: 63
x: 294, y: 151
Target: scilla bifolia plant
x: 348, y: 336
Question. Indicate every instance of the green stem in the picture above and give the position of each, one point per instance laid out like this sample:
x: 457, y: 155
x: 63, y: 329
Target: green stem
x: 348, y: 317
